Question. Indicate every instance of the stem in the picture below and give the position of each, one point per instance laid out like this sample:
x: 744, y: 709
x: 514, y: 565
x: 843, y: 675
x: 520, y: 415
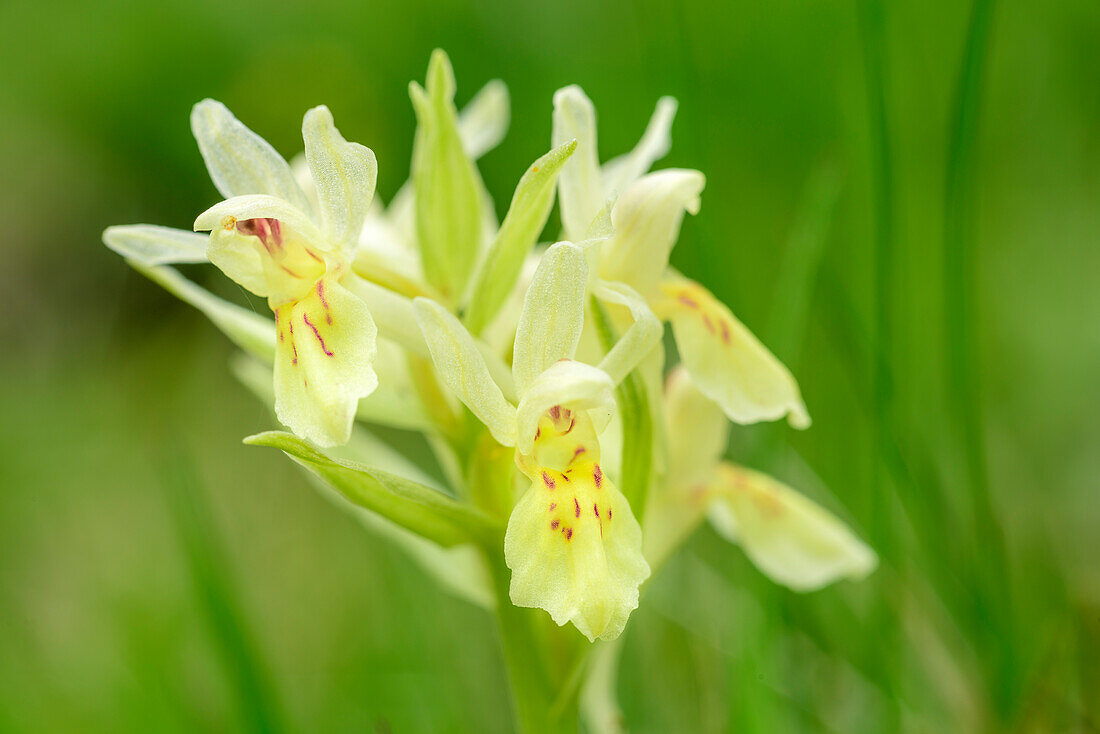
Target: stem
x: 637, y: 421
x: 532, y: 704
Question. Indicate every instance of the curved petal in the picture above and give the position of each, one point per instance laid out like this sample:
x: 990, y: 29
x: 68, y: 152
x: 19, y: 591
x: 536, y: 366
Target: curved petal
x: 727, y: 362
x: 463, y: 369
x: 268, y: 258
x: 484, y: 120
x: 240, y: 161
x: 619, y: 173
x: 323, y: 362
x: 647, y: 221
x: 149, y: 244
x: 553, y: 313
x: 638, y: 340
x: 575, y: 550
x: 579, y: 189
x: 790, y: 538
x: 344, y: 174
x: 233, y: 253
x: 569, y: 384
x: 226, y: 214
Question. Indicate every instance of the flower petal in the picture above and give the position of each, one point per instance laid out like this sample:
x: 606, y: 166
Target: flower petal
x: 484, y: 120
x: 233, y: 254
x: 579, y: 188
x: 553, y: 313
x: 526, y: 217
x: 323, y: 365
x: 569, y: 384
x: 575, y: 550
x: 640, y: 337
x: 380, y: 244
x: 395, y: 403
x: 790, y: 538
x: 448, y: 187
x: 149, y: 244
x: 259, y: 206
x: 647, y: 221
x: 240, y: 161
x: 619, y: 173
x: 728, y: 363
x: 344, y: 174
x: 463, y: 369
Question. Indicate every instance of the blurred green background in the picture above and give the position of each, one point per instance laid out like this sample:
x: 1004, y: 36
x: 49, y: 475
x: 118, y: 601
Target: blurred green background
x: 903, y: 200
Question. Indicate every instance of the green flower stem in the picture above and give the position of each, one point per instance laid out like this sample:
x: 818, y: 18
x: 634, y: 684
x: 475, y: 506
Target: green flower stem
x: 633, y: 402
x: 532, y: 692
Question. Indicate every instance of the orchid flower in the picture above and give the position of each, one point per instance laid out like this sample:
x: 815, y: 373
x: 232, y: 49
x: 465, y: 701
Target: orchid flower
x: 572, y: 542
x: 269, y: 238
x: 535, y: 374
x: 790, y: 538
x: 727, y: 362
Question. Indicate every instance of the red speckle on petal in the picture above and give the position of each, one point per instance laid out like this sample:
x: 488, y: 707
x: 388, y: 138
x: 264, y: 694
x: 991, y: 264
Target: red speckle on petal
x: 554, y: 524
x: 316, y: 333
x: 548, y: 480
x: 576, y: 508
x: 324, y: 303
x: 597, y: 475
x: 568, y: 533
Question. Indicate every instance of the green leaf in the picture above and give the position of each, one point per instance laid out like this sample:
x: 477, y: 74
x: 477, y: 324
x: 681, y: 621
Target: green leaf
x: 526, y: 217
x: 448, y: 188
x: 421, y: 509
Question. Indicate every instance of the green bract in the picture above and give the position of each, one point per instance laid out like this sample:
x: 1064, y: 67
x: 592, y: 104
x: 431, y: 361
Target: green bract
x: 536, y: 372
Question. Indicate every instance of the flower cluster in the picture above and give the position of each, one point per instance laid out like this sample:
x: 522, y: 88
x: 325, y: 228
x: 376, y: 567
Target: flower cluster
x: 568, y: 448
